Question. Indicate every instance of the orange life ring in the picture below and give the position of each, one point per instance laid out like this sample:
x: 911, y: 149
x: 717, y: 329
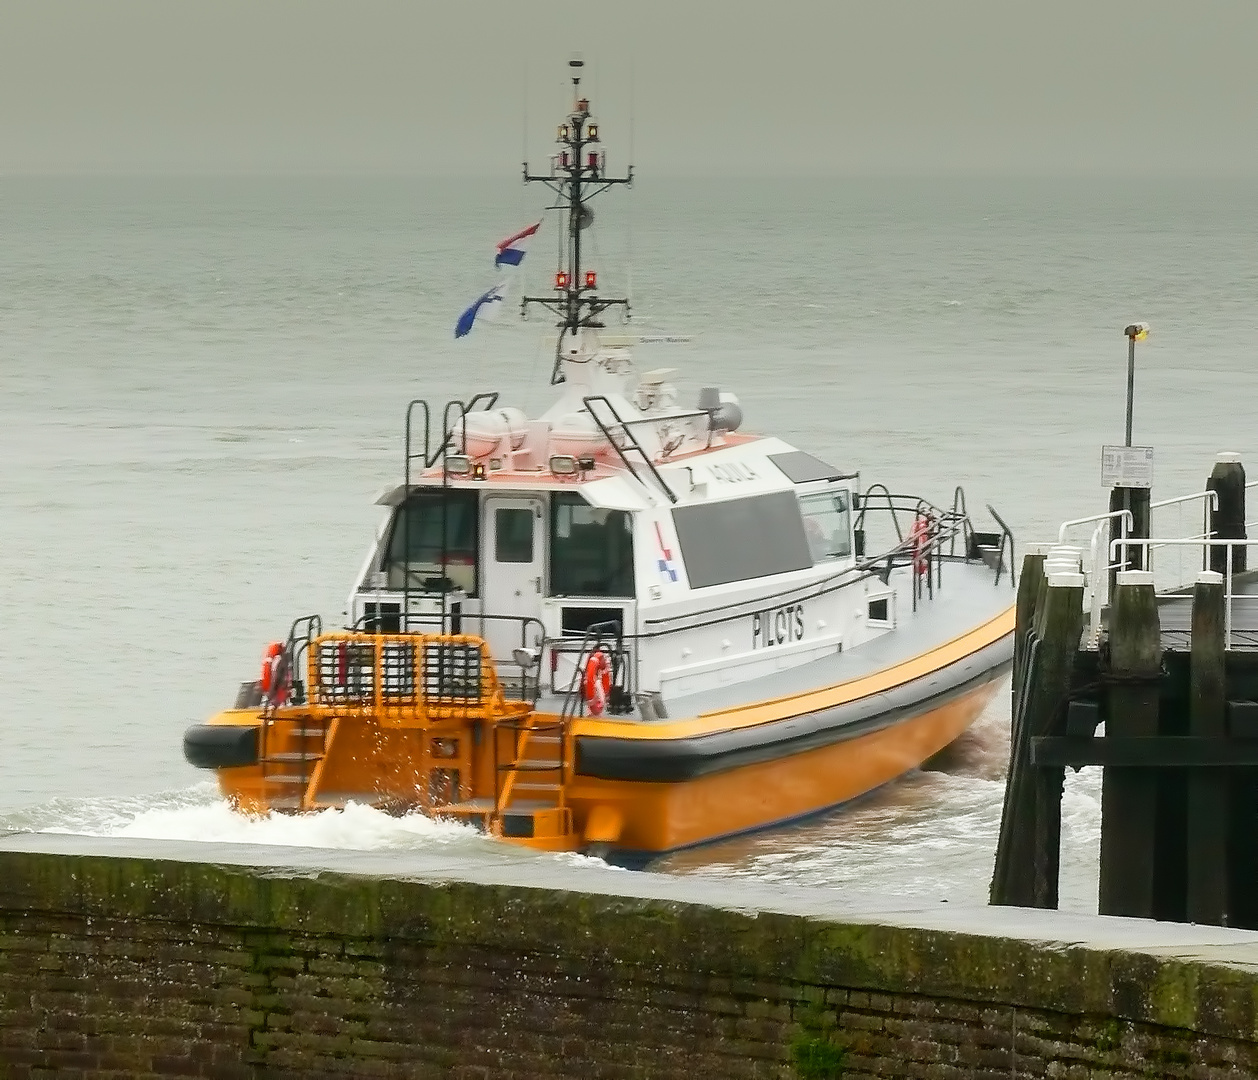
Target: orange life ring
x: 597, y: 684
x: 269, y: 655
x: 919, y: 535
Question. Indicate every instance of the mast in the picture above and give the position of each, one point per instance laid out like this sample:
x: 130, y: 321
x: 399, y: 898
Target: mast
x: 577, y: 174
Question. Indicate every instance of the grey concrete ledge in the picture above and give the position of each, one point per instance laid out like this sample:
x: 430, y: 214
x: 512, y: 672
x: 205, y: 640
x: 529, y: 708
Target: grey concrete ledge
x: 1193, y: 978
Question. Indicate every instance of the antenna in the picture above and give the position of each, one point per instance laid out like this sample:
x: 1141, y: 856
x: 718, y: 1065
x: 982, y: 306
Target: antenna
x: 524, y: 118
x: 575, y: 67
x: 629, y: 216
x: 578, y: 172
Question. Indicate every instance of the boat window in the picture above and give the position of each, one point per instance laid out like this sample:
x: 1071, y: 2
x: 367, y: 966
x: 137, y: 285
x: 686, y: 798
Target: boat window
x: 738, y: 539
x: 415, y: 542
x: 827, y: 524
x: 513, y: 534
x: 591, y: 549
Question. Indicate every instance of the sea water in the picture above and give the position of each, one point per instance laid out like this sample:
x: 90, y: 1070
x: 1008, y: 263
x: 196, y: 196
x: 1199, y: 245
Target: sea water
x: 203, y: 382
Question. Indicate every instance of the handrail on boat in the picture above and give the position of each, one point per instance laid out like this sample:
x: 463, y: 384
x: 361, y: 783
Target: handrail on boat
x: 304, y: 630
x: 436, y: 622
x: 864, y: 501
x: 596, y: 634
x: 629, y: 437
x: 1006, y: 533
x: 959, y: 507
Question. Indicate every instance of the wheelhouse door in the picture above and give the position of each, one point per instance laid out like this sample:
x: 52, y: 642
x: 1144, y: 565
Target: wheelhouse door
x: 511, y: 573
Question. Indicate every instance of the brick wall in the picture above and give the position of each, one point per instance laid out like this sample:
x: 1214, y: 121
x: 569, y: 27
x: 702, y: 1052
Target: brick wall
x: 126, y: 967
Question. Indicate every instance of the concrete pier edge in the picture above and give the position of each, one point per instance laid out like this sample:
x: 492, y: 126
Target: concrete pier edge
x: 1193, y: 979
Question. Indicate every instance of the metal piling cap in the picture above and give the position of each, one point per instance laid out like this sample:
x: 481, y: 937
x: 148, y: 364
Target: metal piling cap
x: 1065, y: 580
x: 1209, y: 577
x: 1135, y: 577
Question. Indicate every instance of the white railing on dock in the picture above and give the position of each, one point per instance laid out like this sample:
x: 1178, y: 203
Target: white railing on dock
x: 1209, y: 505
x: 1207, y: 544
x: 1104, y: 555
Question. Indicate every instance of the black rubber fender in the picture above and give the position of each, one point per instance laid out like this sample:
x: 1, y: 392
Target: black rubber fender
x: 221, y: 746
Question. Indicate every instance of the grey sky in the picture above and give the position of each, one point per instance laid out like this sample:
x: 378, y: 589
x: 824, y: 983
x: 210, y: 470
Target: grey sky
x: 827, y: 86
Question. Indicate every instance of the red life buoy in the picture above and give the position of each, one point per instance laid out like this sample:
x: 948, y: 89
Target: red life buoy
x: 269, y: 658
x: 597, y: 684
x: 919, y: 536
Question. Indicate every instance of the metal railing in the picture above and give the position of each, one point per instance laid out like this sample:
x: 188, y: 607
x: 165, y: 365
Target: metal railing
x: 1230, y: 595
x: 453, y: 623
x: 404, y: 679
x: 608, y: 637
x: 626, y: 443
x: 1104, y: 555
x: 925, y: 537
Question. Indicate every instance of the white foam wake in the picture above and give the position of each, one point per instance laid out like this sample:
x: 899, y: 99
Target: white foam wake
x: 200, y: 813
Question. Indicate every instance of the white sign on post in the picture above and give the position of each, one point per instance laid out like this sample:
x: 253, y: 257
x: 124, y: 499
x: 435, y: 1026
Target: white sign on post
x: 1127, y: 466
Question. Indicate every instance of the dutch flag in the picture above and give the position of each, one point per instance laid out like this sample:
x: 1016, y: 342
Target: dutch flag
x: 493, y: 296
x: 511, y: 250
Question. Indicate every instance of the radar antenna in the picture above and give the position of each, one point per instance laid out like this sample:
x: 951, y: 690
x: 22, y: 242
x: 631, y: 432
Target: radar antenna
x: 578, y: 173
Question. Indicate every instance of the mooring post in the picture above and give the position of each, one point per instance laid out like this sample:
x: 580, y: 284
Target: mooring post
x: 1129, y: 794
x: 1208, y: 789
x: 1227, y: 480
x: 1028, y: 852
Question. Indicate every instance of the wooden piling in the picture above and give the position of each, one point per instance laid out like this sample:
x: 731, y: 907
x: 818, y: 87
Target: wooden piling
x: 1028, y: 853
x: 1129, y: 795
x: 1227, y: 480
x: 1137, y: 501
x: 1030, y: 586
x: 1208, y: 791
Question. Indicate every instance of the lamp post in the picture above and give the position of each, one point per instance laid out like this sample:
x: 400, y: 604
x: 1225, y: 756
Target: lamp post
x: 1133, y: 500
x: 1135, y: 332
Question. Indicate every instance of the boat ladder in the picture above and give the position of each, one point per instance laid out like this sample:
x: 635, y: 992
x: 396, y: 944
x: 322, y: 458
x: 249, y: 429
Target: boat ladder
x: 293, y: 748
x: 529, y: 796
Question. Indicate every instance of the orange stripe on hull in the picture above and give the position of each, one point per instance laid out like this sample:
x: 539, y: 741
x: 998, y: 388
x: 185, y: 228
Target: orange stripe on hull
x: 761, y: 712
x: 659, y: 817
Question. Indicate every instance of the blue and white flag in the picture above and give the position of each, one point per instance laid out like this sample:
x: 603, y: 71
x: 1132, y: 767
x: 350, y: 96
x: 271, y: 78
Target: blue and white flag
x: 494, y: 296
x: 511, y: 250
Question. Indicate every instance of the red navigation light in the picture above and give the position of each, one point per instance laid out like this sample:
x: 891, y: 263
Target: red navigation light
x: 563, y: 159
x: 591, y: 279
x: 561, y: 280
x: 593, y: 160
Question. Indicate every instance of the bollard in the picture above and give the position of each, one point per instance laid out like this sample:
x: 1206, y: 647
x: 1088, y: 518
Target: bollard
x: 1228, y: 480
x: 1028, y: 852
x: 1129, y: 795
x: 1208, y: 791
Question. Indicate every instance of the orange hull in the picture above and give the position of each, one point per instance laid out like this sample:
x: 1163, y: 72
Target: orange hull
x: 659, y: 817
x: 623, y: 786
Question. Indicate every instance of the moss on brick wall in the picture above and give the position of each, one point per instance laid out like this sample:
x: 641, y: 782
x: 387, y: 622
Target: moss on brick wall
x: 176, y: 968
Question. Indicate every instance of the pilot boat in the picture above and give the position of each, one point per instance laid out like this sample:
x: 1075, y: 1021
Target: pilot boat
x: 626, y: 626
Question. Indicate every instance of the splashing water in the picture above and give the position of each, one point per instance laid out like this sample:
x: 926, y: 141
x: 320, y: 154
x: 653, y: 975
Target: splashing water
x: 200, y: 813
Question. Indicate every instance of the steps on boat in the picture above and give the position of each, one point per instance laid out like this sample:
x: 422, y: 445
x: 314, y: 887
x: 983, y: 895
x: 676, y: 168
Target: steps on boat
x: 293, y: 749
x: 532, y: 791
x: 529, y: 801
